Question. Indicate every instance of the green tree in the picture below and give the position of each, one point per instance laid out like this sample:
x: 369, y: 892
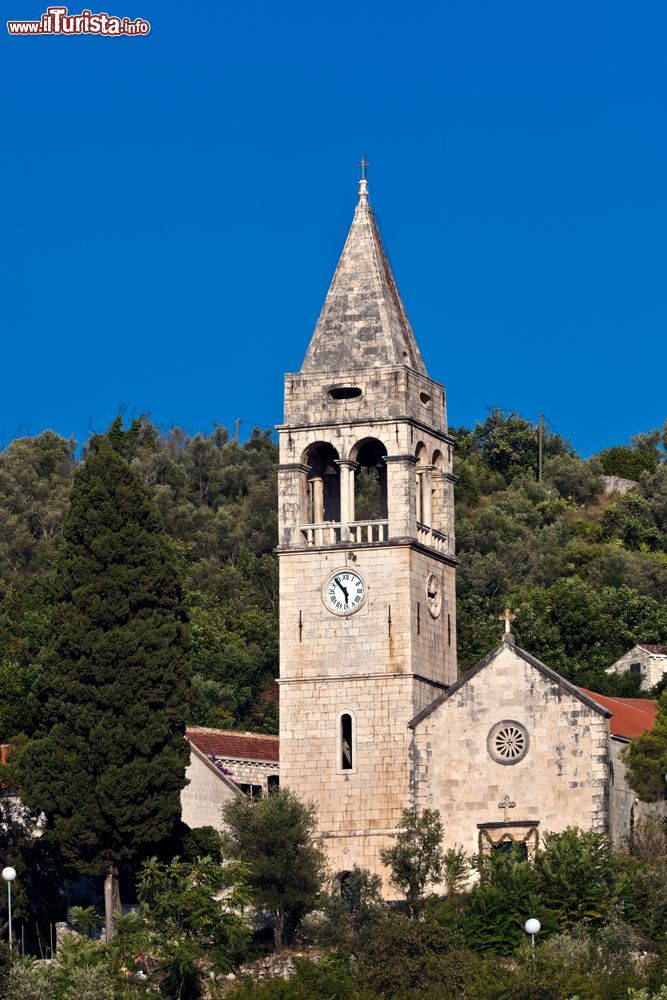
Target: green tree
x: 35, y: 479
x: 506, y: 893
x: 508, y: 444
x: 627, y: 462
x: 416, y: 858
x: 645, y: 757
x: 109, y: 764
x: 192, y: 911
x: 285, y: 866
x: 577, y: 873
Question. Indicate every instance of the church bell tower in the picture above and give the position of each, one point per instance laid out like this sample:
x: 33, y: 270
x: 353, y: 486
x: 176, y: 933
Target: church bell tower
x: 366, y: 552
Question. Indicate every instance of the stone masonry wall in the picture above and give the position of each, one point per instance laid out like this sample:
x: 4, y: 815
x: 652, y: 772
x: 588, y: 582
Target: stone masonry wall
x: 387, y: 393
x: 359, y: 808
x: 562, y: 781
x: 653, y: 666
x: 203, y: 798
x: 625, y: 809
x: 315, y: 643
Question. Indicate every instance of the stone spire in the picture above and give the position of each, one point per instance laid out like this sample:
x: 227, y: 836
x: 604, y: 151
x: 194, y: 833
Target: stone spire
x: 363, y: 323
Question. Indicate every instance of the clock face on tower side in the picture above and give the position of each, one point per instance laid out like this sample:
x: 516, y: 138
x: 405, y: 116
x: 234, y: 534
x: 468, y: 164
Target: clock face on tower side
x: 434, y: 595
x: 344, y: 591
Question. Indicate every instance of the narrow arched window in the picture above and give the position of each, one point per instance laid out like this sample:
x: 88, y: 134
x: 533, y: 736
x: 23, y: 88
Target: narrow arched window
x: 346, y: 743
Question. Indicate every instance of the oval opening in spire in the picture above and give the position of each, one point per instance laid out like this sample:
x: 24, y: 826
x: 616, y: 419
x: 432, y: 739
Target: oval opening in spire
x: 345, y: 392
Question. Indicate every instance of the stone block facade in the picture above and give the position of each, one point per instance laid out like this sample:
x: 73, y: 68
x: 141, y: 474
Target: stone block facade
x: 562, y: 780
x: 650, y: 661
x: 626, y: 810
x: 206, y: 792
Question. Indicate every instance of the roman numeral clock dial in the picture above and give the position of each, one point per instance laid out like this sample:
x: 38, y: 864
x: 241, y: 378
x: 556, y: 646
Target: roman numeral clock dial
x: 344, y: 592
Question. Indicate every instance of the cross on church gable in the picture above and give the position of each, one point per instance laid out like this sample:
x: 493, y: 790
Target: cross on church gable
x: 508, y: 618
x: 506, y: 804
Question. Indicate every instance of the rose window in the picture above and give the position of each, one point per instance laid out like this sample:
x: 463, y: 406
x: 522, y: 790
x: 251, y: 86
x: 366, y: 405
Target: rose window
x: 507, y: 742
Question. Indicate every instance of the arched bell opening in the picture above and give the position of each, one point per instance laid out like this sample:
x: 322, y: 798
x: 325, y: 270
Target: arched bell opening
x: 370, y: 483
x: 323, y: 497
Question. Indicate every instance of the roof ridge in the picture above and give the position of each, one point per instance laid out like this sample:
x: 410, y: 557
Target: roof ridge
x: 230, y: 732
x: 524, y: 655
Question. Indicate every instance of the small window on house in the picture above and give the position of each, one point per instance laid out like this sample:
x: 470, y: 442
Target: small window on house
x: 346, y: 740
x: 273, y: 784
x: 252, y: 791
x: 635, y: 668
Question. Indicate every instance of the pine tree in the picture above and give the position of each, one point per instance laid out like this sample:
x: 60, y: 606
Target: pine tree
x: 109, y: 764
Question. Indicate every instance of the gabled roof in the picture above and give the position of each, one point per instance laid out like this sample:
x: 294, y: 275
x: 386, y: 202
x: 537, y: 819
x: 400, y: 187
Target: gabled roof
x: 630, y: 717
x: 522, y: 654
x: 363, y: 323
x: 655, y: 649
x: 231, y: 745
x: 205, y: 759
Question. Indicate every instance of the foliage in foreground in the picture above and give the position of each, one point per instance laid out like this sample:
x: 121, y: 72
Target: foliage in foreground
x: 284, y: 865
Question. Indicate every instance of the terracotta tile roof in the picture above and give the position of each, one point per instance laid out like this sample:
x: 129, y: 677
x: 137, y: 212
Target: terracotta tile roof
x: 630, y: 716
x: 651, y: 648
x: 232, y: 745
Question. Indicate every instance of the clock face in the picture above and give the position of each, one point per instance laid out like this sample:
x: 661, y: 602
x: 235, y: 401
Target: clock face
x: 344, y: 591
x: 434, y: 595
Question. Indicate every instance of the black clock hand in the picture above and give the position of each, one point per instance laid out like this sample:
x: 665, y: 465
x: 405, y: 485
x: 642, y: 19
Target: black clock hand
x: 344, y: 589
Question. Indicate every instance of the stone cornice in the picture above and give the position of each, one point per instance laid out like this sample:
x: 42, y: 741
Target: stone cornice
x: 366, y: 422
x: 443, y: 557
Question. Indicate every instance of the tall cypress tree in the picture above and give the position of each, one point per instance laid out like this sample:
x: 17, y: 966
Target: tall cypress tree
x: 109, y: 764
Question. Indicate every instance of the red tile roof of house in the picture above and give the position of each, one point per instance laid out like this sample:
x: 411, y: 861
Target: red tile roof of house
x: 630, y: 716
x: 232, y: 745
x: 651, y: 648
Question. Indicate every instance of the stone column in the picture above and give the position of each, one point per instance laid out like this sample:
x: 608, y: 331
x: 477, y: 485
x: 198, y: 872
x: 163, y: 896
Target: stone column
x: 401, y: 496
x: 419, y: 483
x: 438, y: 484
x: 427, y: 496
x: 347, y: 471
x: 449, y: 480
x: 318, y: 499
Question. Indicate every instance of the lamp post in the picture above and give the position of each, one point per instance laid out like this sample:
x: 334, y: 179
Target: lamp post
x: 532, y: 927
x: 9, y: 874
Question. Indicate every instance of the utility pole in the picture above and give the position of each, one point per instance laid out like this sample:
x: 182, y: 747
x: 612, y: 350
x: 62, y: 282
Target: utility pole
x: 237, y: 425
x: 540, y: 439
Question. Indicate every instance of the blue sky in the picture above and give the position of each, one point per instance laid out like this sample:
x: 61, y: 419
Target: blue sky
x: 174, y: 206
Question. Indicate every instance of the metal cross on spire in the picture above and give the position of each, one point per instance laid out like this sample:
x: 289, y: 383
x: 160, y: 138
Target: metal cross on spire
x: 364, y: 164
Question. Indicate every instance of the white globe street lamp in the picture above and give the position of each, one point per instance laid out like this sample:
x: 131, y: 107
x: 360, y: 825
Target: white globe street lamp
x: 9, y: 874
x: 532, y: 927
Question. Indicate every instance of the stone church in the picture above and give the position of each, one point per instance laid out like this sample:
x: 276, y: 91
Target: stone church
x: 373, y: 715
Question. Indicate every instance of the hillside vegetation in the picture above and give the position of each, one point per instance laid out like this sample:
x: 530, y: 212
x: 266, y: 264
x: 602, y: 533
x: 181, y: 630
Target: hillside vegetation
x: 585, y: 573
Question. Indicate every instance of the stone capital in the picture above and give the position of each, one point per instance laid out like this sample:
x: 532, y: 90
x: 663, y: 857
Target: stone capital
x: 294, y: 467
